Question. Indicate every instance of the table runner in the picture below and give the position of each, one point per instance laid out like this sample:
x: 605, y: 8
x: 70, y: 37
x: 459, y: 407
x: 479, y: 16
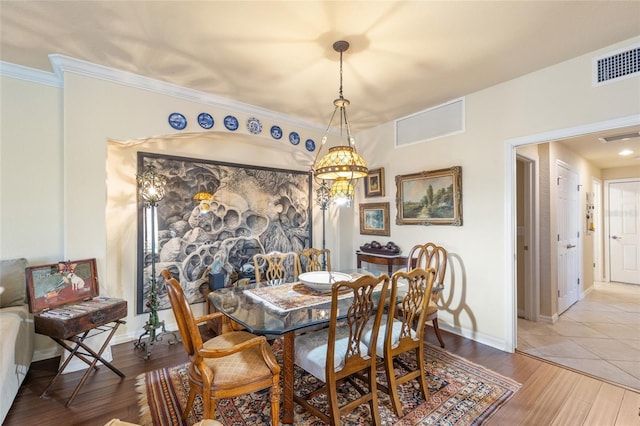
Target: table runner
x: 290, y: 296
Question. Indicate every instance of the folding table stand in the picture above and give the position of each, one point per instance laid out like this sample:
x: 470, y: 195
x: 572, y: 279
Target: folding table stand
x: 77, y: 330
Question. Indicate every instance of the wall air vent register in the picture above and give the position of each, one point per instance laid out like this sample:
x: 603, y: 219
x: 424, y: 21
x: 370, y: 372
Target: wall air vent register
x: 616, y: 65
x: 442, y: 120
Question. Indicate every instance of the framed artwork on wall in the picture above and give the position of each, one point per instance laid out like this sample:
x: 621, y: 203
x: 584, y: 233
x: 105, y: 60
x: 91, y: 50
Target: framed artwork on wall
x: 374, y: 219
x: 430, y: 198
x: 374, y: 183
x: 214, y: 217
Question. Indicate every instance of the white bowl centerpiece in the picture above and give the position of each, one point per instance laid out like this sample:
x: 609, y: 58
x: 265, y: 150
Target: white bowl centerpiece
x: 322, y: 280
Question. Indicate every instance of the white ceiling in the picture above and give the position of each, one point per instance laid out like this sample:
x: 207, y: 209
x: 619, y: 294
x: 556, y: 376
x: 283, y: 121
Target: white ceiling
x: 405, y: 56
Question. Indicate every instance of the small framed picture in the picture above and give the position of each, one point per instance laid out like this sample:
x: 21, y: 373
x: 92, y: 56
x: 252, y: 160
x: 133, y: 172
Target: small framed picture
x: 56, y: 284
x: 374, y: 219
x: 374, y: 183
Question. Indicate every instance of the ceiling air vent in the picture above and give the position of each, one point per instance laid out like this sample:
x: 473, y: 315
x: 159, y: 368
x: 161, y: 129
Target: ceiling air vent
x: 615, y: 66
x: 442, y: 120
x: 623, y: 137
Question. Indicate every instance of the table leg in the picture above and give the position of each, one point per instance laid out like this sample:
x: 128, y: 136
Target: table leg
x: 74, y: 352
x: 96, y: 357
x: 287, y: 377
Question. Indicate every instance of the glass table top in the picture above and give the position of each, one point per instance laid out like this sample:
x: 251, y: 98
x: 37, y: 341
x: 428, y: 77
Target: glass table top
x: 275, y: 310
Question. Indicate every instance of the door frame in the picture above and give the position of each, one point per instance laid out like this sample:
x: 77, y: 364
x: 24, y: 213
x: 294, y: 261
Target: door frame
x: 598, y: 257
x: 531, y: 238
x: 510, y: 313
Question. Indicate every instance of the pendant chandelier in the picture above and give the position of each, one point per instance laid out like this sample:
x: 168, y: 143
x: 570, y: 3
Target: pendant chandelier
x: 341, y: 164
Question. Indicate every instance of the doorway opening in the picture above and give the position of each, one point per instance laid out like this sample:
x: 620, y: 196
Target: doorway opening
x: 516, y: 167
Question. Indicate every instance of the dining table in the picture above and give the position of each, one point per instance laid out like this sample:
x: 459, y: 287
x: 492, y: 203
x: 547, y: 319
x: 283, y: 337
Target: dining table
x: 281, y: 310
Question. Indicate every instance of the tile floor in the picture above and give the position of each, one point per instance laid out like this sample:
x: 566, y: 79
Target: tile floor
x: 599, y: 335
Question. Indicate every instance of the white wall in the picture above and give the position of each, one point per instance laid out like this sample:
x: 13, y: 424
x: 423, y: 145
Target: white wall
x: 480, y: 296
x: 31, y: 204
x: 479, y: 302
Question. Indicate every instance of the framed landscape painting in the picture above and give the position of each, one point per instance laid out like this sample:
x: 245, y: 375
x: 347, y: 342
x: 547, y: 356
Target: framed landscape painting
x: 374, y: 219
x: 430, y: 198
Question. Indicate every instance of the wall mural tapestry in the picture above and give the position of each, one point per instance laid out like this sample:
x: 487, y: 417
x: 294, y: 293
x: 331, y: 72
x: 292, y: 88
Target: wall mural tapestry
x: 252, y: 210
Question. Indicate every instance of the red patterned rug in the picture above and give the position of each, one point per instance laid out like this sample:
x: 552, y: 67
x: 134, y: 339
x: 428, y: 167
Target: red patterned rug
x: 461, y: 393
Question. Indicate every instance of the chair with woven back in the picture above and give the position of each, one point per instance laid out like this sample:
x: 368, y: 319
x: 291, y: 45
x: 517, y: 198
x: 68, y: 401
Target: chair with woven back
x: 229, y: 365
x: 337, y: 354
x: 426, y: 256
x: 404, y: 333
x: 276, y: 267
x: 313, y: 259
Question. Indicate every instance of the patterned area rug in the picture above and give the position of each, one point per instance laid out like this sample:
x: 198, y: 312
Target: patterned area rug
x: 461, y: 393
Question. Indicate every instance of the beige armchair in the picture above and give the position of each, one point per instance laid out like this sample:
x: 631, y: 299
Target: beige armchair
x: 228, y: 365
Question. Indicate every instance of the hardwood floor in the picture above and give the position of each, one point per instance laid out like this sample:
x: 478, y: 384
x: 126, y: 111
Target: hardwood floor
x: 550, y: 395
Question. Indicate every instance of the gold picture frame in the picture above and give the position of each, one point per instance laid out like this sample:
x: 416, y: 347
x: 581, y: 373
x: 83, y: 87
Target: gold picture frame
x: 374, y: 219
x: 374, y: 183
x: 430, y: 197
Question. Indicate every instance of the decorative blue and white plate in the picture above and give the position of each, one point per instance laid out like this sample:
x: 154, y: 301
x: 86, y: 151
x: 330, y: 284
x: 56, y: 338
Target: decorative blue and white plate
x: 310, y: 145
x: 177, y: 121
x: 294, y: 138
x: 276, y: 132
x: 254, y: 126
x: 205, y: 120
x: 231, y: 123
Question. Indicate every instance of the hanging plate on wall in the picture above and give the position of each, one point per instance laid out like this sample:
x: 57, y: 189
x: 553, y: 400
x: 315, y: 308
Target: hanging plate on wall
x: 205, y: 120
x: 254, y: 126
x: 294, y: 138
x: 276, y: 132
x: 231, y: 123
x: 177, y: 121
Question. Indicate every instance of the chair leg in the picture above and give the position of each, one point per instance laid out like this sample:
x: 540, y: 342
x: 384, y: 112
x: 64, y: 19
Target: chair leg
x: 334, y: 408
x: 373, y: 402
x: 422, y: 378
x: 192, y: 397
x: 437, y: 330
x: 392, y: 386
x: 274, y: 394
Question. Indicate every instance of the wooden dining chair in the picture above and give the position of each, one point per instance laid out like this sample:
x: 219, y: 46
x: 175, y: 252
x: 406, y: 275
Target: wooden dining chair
x: 312, y: 259
x: 336, y: 354
x: 426, y: 256
x: 229, y: 365
x: 276, y: 267
x: 404, y: 333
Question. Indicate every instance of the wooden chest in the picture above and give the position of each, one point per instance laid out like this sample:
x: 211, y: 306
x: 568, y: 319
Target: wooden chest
x: 69, y: 320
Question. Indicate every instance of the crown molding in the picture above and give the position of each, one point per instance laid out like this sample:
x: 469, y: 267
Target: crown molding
x: 62, y: 64
x: 30, y: 74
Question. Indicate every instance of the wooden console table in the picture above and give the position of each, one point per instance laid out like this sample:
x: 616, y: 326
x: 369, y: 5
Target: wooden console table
x: 380, y: 259
x: 76, y: 323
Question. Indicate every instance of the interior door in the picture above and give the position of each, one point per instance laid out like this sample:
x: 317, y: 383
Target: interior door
x: 568, y: 229
x: 624, y: 231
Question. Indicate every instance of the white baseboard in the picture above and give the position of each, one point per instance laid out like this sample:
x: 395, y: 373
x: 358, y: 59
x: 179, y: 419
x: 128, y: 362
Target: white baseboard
x: 474, y: 335
x: 548, y: 319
